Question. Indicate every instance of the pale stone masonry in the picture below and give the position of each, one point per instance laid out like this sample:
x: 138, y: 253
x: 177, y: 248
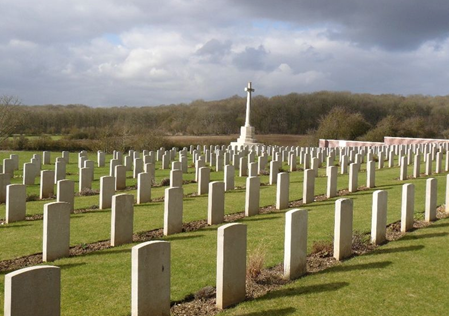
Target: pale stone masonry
x: 60, y: 170
x: 253, y: 169
x: 144, y: 188
x: 380, y: 160
x: 85, y: 182
x: 122, y: 214
x: 29, y: 173
x: 282, y: 198
x: 344, y: 164
x: 173, y: 211
x: 407, y: 214
x: 308, y: 186
x: 66, y: 156
x: 15, y: 158
x: 243, y: 167
x: 150, y: 278
x: 353, y: 177
x: 128, y: 163
x: 47, y: 184
x: 430, y: 200
x: 379, y: 217
x: 403, y: 168
x: 4, y: 181
x: 315, y: 166
x: 219, y: 163
x: 428, y: 165
x: 46, y: 157
x: 138, y: 167
x: 16, y: 197
x: 56, y: 240
x: 295, y: 243
x: 176, y: 178
x: 107, y: 190
x: 229, y: 177
x: 198, y: 164
x: 33, y: 291
x: 416, y: 168
x: 100, y: 159
x: 274, y: 169
x: 203, y: 180
x: 438, y: 162
x: 8, y: 167
x: 121, y: 177
x: 150, y: 168
x: 343, y: 229
x: 216, y: 202
x: 447, y: 194
x: 112, y: 167
x: 370, y: 179
x: 65, y: 192
x: 231, y: 264
x: 252, y: 196
x: 332, y: 172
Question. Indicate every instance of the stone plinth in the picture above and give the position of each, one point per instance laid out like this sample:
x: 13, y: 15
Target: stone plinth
x: 247, y: 137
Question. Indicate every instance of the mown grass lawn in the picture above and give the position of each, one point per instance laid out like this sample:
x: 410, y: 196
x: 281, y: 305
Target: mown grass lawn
x: 405, y: 277
x: 100, y: 283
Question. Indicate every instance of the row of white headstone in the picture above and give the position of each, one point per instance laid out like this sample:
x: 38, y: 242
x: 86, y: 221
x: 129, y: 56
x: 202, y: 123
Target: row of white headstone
x: 36, y: 290
x: 15, y: 195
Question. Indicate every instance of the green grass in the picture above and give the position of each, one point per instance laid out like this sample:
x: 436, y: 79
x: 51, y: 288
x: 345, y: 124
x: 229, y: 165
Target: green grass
x: 100, y: 283
x: 407, y: 277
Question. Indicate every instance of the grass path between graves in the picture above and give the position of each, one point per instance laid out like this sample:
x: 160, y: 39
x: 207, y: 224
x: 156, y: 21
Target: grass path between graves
x: 406, y: 277
x: 100, y: 283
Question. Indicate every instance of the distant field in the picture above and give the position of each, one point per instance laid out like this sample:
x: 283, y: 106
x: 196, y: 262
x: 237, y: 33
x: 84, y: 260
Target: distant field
x: 274, y: 139
x: 31, y: 137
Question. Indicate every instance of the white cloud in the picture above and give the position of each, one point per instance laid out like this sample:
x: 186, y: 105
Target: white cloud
x: 151, y: 52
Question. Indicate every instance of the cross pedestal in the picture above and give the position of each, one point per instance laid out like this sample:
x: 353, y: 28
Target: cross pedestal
x: 247, y: 137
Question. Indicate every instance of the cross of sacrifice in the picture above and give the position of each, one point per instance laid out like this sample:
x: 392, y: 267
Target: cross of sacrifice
x: 249, y: 100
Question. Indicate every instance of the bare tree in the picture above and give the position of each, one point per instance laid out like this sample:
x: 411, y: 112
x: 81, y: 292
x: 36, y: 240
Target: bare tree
x: 9, y: 118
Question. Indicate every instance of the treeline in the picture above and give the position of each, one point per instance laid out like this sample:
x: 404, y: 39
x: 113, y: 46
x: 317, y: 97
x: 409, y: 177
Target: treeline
x: 322, y: 114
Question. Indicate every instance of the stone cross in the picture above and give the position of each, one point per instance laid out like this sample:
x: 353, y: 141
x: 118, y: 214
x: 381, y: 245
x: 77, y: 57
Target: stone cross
x: 249, y: 99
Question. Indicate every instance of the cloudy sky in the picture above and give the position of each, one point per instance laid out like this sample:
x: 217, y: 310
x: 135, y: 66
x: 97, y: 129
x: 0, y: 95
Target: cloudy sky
x: 145, y: 52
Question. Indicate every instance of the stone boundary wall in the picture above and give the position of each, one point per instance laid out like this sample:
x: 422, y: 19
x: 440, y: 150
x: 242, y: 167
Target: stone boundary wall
x: 333, y: 143
x: 408, y: 140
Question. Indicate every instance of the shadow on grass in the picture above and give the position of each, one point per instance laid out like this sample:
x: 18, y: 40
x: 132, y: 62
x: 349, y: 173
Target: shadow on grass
x: 412, y: 237
x: 327, y: 287
x: 393, y: 250
x: 321, y: 203
x: 278, y: 312
x: 356, y: 267
x: 108, y: 252
x: 257, y: 219
x: 182, y: 237
x: 437, y: 225
x: 235, y: 191
x: 13, y: 226
x: 359, y: 193
x: 65, y: 266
